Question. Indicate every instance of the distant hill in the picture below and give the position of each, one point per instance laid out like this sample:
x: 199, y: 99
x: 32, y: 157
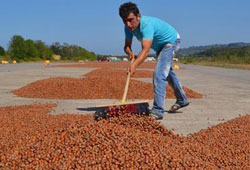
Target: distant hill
x: 198, y: 49
x: 231, y: 53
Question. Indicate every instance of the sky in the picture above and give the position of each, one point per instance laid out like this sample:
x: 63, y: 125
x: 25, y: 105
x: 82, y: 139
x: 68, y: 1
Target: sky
x: 96, y: 25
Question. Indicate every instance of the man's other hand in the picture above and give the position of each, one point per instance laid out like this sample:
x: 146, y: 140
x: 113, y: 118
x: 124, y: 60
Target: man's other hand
x: 132, y: 68
x: 132, y: 56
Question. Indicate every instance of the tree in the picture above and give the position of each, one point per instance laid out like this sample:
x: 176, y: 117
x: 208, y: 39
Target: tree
x: 45, y: 52
x: 17, y: 48
x: 2, y: 52
x: 56, y: 48
x: 31, y: 52
x: 72, y: 52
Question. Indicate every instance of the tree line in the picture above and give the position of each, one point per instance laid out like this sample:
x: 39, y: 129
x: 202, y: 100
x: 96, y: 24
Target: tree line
x: 20, y: 50
x: 220, y: 54
x: 198, y: 49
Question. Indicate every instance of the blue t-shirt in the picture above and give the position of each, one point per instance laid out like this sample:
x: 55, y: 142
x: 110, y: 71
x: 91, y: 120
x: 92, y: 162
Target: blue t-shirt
x: 153, y: 28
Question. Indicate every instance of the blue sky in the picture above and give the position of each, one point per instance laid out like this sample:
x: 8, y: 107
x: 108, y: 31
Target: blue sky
x: 96, y: 25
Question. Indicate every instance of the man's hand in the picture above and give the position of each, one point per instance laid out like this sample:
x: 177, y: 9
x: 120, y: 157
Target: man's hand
x: 132, y: 67
x: 132, y: 56
x: 137, y: 60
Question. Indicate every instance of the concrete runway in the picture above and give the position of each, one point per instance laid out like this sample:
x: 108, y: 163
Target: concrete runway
x: 227, y: 93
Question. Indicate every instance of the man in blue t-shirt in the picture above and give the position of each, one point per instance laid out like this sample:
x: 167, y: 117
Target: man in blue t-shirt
x: 164, y: 39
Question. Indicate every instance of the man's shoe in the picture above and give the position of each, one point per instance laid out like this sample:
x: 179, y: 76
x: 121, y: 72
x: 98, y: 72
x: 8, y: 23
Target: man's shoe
x: 156, y: 115
x: 176, y: 107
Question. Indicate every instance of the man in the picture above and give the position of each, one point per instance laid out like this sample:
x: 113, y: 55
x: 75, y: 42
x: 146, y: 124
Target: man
x: 163, y: 38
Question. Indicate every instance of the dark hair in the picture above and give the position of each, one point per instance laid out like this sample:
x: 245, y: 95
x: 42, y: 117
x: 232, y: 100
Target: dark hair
x: 127, y: 8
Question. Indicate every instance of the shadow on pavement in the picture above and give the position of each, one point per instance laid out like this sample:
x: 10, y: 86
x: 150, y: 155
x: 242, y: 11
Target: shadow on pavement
x: 88, y: 109
x: 172, y: 112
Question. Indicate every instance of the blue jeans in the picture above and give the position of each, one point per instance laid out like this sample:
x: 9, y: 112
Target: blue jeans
x: 164, y: 73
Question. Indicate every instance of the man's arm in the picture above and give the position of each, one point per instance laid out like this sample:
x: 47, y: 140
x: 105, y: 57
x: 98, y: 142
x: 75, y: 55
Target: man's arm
x: 127, y: 48
x: 146, y: 44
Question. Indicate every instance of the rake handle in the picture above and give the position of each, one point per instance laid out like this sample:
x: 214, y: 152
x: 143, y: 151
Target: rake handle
x: 126, y: 89
x: 124, y: 97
